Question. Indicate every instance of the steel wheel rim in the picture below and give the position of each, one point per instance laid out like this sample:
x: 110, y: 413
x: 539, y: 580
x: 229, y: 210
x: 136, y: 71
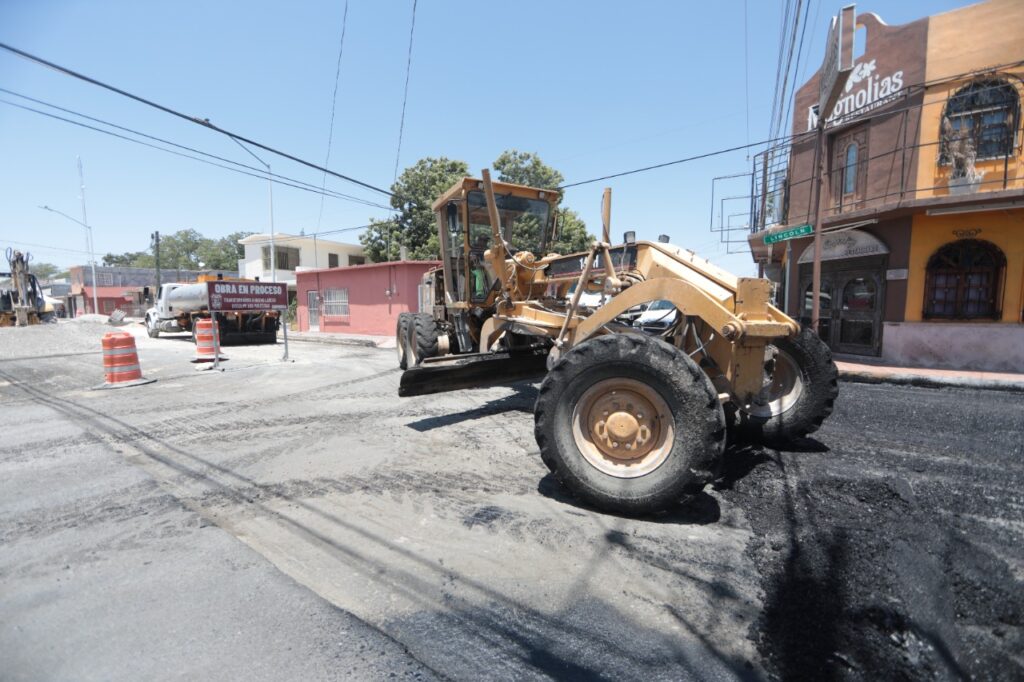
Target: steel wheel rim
x: 623, y: 427
x: 781, y: 390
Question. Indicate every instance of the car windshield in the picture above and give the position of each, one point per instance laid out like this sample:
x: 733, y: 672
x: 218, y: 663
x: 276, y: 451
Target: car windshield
x: 523, y: 221
x: 661, y: 305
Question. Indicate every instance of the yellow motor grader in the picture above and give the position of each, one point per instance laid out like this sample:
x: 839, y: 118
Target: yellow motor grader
x: 628, y: 418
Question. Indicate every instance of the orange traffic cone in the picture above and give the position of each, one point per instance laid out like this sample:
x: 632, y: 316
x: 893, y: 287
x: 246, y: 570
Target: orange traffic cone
x: 206, y: 346
x: 121, y: 362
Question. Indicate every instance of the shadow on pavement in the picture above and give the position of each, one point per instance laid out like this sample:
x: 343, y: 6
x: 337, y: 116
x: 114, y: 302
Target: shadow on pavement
x: 701, y: 509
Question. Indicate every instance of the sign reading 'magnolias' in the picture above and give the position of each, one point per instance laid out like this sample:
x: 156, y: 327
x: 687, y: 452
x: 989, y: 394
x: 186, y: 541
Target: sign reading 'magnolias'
x: 241, y: 297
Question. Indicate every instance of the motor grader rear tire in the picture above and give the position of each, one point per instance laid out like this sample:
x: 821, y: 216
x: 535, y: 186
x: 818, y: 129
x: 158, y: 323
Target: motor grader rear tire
x: 402, y: 339
x: 423, y: 335
x: 802, y: 383
x: 629, y: 424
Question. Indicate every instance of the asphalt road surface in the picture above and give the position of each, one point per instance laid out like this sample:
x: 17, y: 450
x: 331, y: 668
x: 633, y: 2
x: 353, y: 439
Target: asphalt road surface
x: 297, y: 520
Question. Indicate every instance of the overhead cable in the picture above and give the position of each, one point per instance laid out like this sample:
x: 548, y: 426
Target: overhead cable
x: 334, y: 102
x: 405, y: 93
x: 205, y: 122
x: 258, y: 172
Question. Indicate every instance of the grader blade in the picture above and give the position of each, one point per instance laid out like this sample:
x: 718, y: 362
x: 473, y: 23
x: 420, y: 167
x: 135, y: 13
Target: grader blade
x: 478, y: 370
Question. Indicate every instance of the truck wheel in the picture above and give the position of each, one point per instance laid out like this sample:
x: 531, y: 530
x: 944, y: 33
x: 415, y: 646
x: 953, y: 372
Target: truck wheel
x: 629, y: 424
x: 423, y: 335
x: 801, y: 385
x: 151, y: 328
x: 402, y: 339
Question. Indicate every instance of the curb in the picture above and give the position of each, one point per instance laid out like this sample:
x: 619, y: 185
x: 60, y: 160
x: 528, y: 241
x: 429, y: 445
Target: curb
x: 931, y: 382
x: 365, y: 343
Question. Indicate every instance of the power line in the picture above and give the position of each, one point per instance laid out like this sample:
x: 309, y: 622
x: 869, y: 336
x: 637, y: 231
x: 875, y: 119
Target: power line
x: 278, y: 240
x: 334, y: 102
x: 205, y: 122
x: 259, y: 173
x: 689, y: 158
x: 796, y: 69
x: 405, y: 94
x: 42, y: 246
x: 797, y: 136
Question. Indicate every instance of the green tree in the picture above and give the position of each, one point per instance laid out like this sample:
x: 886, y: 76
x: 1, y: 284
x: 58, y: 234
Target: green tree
x: 223, y: 253
x: 181, y: 250
x: 572, y: 235
x: 44, y: 270
x: 526, y: 168
x: 414, y: 227
x: 129, y: 259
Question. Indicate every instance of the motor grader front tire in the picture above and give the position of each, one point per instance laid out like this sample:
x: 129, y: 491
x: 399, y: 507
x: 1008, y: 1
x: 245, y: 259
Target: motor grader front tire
x: 629, y: 424
x: 801, y: 386
x: 402, y: 339
x: 423, y: 338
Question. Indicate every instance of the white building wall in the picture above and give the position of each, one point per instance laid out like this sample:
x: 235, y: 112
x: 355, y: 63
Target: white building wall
x: 312, y: 254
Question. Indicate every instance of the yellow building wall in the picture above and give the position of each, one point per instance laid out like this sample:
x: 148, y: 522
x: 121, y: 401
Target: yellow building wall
x: 970, y: 39
x: 1005, y: 229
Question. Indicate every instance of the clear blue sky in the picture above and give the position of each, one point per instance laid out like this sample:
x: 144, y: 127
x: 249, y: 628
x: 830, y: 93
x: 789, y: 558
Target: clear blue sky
x: 593, y: 87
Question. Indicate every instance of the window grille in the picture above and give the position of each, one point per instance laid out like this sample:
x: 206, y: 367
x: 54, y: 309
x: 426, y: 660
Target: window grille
x: 980, y: 119
x: 963, y: 281
x: 336, y: 302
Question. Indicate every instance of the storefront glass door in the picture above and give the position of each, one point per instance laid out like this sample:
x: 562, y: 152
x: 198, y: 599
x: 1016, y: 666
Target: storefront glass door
x: 851, y: 311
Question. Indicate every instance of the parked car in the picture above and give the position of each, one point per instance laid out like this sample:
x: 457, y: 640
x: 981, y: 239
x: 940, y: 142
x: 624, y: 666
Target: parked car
x: 658, y: 317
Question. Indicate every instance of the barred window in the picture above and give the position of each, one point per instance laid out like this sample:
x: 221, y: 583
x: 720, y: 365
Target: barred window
x: 963, y: 281
x: 336, y: 302
x: 980, y: 119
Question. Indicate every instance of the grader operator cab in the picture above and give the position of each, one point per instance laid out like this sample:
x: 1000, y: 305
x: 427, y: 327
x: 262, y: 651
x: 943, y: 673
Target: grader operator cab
x: 628, y: 420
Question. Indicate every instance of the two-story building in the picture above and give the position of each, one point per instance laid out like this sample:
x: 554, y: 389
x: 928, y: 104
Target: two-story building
x: 293, y: 254
x: 922, y: 195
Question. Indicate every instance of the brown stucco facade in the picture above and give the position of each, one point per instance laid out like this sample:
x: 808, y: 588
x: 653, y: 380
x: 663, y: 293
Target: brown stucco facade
x: 922, y: 196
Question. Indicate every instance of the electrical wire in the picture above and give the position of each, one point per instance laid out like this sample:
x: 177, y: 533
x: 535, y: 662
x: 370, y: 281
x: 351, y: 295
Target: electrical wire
x: 205, y: 122
x: 684, y: 160
x: 405, y: 94
x: 258, y: 172
x: 42, y: 246
x: 334, y: 102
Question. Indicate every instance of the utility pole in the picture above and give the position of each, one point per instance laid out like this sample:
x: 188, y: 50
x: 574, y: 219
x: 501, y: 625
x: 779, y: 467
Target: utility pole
x: 88, y: 237
x: 156, y: 256
x: 834, y: 71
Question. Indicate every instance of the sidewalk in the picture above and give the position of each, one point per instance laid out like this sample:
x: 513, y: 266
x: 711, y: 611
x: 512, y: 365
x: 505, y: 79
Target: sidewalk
x: 872, y: 373
x: 850, y: 368
x: 342, y: 339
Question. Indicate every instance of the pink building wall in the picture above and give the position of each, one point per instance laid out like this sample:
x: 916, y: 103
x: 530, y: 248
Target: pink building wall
x: 371, y: 310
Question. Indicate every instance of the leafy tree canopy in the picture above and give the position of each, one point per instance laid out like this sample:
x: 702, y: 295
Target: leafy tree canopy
x: 526, y: 168
x: 44, y: 271
x: 414, y: 225
x: 420, y: 185
x: 186, y: 249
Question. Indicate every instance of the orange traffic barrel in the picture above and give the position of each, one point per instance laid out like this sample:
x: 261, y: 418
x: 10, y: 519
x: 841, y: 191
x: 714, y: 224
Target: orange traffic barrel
x: 206, y: 345
x: 121, y: 362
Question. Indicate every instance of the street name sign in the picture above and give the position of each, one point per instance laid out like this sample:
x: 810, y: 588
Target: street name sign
x: 791, y: 233
x: 244, y: 297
